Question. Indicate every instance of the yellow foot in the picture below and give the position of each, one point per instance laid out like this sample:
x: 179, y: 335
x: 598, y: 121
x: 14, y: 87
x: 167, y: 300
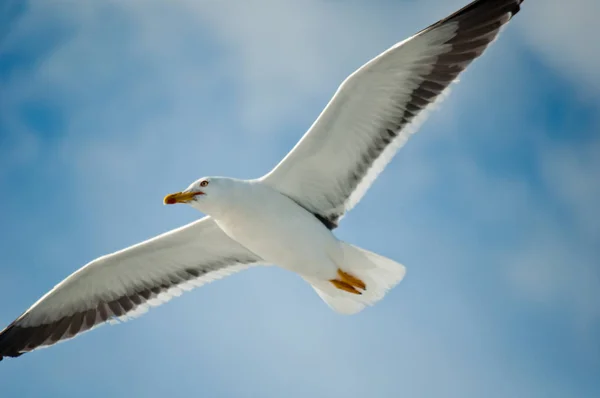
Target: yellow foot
x: 351, y: 280
x: 344, y: 286
x: 348, y: 283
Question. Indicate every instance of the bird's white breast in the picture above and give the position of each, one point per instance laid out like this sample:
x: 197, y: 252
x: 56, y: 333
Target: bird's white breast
x: 280, y: 231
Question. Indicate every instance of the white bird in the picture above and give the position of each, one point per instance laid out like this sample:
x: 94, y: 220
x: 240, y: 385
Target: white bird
x: 287, y: 216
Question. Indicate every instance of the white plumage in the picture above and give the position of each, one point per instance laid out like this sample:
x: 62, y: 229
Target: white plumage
x: 286, y: 217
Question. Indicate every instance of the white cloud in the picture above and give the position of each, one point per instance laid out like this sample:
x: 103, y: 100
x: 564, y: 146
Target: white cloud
x: 158, y: 92
x: 564, y: 34
x: 572, y: 173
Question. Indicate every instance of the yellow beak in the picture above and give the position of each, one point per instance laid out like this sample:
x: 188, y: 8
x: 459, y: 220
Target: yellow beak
x: 180, y: 197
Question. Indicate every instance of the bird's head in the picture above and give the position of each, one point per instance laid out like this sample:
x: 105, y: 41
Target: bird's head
x: 201, y: 193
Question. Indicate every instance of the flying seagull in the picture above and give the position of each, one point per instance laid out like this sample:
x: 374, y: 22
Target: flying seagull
x: 287, y: 216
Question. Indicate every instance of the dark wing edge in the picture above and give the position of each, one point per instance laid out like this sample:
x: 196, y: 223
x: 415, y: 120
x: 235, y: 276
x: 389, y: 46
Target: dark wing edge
x: 479, y: 24
x: 19, y: 337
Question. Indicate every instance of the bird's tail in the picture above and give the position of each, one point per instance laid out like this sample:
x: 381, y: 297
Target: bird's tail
x: 364, y: 278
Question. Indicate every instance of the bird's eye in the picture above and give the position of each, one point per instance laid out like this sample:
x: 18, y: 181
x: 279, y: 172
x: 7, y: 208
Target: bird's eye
x: 204, y: 183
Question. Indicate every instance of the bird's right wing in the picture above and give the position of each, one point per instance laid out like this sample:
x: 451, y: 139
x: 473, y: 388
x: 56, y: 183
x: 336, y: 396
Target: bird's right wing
x: 124, y: 284
x: 376, y: 108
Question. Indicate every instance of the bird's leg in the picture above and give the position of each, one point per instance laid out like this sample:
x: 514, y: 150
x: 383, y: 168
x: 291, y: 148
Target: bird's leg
x: 348, y: 283
x: 351, y: 280
x: 344, y: 286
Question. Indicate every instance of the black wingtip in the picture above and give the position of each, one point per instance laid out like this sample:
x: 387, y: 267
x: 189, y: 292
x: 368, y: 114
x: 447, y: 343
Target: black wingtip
x: 16, y: 355
x: 12, y: 355
x: 7, y: 346
x: 517, y: 8
x: 511, y: 6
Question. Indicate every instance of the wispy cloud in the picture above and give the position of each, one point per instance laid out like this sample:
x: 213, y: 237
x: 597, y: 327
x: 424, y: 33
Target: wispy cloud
x: 559, y: 33
x: 494, y: 216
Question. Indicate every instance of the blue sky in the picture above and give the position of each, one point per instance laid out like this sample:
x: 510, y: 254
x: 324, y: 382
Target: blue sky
x: 492, y: 205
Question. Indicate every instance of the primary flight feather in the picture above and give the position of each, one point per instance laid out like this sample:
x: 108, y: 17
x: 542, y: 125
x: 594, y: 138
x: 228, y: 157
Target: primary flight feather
x: 287, y: 216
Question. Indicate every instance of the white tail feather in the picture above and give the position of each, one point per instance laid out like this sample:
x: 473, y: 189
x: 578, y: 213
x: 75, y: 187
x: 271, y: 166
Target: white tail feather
x: 379, y: 273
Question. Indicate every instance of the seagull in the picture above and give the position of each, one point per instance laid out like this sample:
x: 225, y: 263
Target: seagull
x: 287, y: 216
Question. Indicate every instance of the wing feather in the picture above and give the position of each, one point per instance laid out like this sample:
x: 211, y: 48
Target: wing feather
x: 377, y: 108
x: 125, y: 284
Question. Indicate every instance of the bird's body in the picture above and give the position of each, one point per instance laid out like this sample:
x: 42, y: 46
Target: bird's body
x: 256, y: 216
x: 287, y: 216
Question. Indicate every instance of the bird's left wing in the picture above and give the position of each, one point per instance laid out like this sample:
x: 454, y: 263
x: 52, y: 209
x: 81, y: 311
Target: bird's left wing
x: 125, y: 284
x: 373, y: 111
